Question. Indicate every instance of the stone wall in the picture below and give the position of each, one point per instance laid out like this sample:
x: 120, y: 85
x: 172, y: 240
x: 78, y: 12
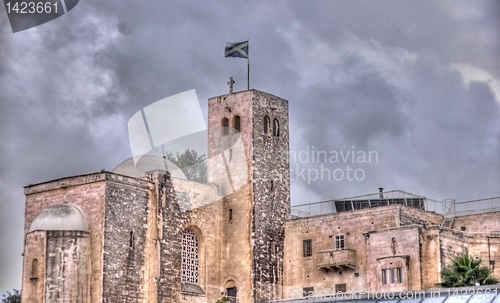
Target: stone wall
x: 356, y: 226
x: 410, y: 215
x: 236, y: 249
x: 67, y: 276
x: 87, y: 192
x: 379, y: 236
x: 252, y: 170
x: 34, y: 271
x: 394, y: 248
x: 230, y: 159
x: 271, y: 194
x: 484, y: 246
x: 171, y: 223
x: 431, y: 261
x: 486, y: 222
x: 125, y: 229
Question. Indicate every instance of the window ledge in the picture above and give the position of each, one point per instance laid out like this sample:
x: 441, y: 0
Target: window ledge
x: 192, y: 289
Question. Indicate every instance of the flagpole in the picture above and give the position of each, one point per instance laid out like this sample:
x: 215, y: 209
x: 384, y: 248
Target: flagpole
x: 248, y: 65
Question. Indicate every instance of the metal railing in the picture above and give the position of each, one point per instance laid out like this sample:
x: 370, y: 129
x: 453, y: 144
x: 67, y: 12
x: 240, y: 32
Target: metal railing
x: 447, y: 207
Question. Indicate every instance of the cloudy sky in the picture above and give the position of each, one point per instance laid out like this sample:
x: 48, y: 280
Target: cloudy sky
x: 415, y: 82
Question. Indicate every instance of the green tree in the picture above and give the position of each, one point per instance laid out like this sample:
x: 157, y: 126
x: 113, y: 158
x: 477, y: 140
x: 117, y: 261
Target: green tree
x: 192, y: 165
x: 223, y: 300
x: 14, y: 297
x: 466, y: 271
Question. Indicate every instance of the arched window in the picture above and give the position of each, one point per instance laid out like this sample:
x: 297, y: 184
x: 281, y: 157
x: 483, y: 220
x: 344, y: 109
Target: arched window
x: 237, y: 123
x: 267, y: 125
x: 276, y: 127
x: 190, y: 257
x: 34, y: 268
x: 225, y: 126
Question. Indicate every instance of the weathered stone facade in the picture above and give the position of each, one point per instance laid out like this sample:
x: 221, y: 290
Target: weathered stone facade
x: 162, y: 239
x: 408, y: 242
x: 254, y: 215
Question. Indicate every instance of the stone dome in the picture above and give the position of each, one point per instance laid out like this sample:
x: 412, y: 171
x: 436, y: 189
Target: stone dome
x: 60, y: 217
x: 148, y: 163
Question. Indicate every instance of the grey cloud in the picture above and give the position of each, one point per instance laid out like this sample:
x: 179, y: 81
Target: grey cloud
x: 374, y: 75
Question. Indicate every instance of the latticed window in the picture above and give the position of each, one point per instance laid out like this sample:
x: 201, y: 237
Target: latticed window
x: 190, y: 261
x: 307, y: 248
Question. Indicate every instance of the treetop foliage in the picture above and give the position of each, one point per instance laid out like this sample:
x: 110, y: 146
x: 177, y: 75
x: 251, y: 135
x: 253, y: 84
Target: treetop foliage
x: 466, y: 270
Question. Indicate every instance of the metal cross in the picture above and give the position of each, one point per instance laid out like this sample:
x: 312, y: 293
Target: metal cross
x: 230, y: 83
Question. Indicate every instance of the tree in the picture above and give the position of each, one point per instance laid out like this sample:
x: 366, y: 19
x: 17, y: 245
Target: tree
x: 192, y: 165
x: 223, y: 300
x: 14, y: 297
x: 466, y: 271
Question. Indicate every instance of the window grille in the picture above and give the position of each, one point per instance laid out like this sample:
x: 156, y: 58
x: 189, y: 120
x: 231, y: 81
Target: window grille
x: 307, y: 248
x: 190, y: 261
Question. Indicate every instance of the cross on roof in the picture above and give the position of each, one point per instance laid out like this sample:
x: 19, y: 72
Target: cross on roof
x: 230, y: 83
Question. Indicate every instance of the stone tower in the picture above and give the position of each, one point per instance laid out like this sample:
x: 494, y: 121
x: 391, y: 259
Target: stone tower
x: 248, y: 150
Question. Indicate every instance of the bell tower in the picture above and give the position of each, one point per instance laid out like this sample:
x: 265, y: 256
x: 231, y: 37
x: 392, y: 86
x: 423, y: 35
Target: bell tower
x: 248, y: 137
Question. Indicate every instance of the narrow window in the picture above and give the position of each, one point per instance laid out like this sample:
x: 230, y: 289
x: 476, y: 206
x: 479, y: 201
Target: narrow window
x: 398, y: 275
x: 271, y: 186
x: 384, y: 276
x: 190, y: 258
x: 131, y: 240
x: 237, y: 123
x: 341, y: 287
x: 232, y: 294
x: 307, y: 248
x: 308, y: 292
x: 225, y: 126
x: 339, y: 242
x: 34, y: 269
x: 230, y: 215
x: 267, y: 125
x: 392, y: 279
x: 276, y: 128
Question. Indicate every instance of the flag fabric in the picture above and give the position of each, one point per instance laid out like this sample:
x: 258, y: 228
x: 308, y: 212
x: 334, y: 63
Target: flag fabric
x: 238, y: 49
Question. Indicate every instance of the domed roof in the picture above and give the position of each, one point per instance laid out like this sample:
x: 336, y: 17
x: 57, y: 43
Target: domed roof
x: 60, y: 217
x: 148, y: 163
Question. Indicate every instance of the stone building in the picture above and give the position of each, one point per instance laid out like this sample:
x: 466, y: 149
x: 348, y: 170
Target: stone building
x: 385, y: 248
x: 112, y: 237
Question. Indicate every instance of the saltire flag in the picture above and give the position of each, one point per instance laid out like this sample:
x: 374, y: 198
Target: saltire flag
x: 238, y: 49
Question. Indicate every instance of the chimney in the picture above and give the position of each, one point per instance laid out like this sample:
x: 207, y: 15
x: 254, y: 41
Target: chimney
x: 381, y: 192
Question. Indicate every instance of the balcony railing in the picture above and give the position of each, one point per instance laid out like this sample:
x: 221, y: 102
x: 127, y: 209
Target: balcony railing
x: 332, y: 259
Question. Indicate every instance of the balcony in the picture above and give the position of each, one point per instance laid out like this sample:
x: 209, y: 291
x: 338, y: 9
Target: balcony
x: 332, y: 259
